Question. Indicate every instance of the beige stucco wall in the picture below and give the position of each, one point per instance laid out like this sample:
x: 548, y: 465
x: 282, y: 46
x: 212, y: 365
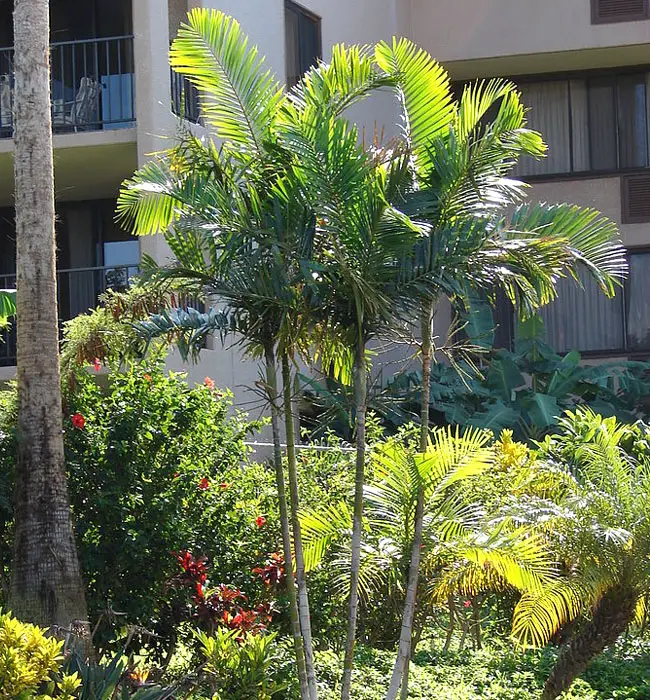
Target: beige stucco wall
x: 461, y: 30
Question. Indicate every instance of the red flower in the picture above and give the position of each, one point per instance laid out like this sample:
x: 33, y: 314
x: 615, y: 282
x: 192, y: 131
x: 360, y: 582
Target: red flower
x: 223, y: 486
x: 209, y: 383
x: 260, y: 521
x: 468, y: 603
x: 176, y: 475
x: 97, y: 364
x: 204, y: 484
x: 78, y: 421
x: 147, y: 377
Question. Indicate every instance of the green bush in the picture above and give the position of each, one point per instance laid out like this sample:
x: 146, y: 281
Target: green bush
x: 29, y: 662
x: 154, y: 467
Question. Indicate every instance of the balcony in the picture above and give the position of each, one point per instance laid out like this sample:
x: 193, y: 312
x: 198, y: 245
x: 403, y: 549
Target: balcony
x: 93, y: 85
x: 78, y: 291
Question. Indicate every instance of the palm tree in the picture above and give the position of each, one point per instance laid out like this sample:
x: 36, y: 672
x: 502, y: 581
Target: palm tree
x: 589, y: 493
x: 461, y: 155
x: 237, y: 237
x: 46, y: 585
x: 463, y: 551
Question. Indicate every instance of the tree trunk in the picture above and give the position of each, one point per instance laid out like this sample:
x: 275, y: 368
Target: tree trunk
x: 272, y: 392
x: 612, y: 614
x: 400, y: 674
x: 452, y: 625
x: 303, y: 597
x: 360, y: 398
x: 46, y: 583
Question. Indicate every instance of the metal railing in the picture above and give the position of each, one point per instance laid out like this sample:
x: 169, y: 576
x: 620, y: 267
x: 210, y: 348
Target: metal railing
x: 78, y: 290
x: 185, y: 98
x: 93, y: 85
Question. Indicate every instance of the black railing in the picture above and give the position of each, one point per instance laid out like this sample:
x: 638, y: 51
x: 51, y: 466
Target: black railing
x: 78, y: 290
x: 93, y: 85
x: 185, y: 98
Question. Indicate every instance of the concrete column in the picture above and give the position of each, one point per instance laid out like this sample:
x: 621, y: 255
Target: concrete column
x: 155, y: 122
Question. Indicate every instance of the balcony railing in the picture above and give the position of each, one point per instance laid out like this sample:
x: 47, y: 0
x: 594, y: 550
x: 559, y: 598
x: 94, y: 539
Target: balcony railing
x: 185, y: 98
x: 93, y: 85
x: 78, y: 291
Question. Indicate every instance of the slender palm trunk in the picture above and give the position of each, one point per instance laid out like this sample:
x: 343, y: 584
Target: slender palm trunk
x: 360, y: 400
x: 303, y: 597
x: 272, y: 392
x: 401, y: 669
x: 46, y: 584
x: 613, y: 613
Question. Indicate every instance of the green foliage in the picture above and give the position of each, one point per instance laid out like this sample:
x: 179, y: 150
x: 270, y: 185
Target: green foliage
x: 496, y: 672
x: 7, y: 306
x: 136, y: 472
x: 526, y: 390
x: 241, y: 667
x: 28, y: 658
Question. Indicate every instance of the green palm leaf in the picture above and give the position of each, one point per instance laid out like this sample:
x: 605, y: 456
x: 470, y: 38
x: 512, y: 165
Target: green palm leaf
x: 239, y: 96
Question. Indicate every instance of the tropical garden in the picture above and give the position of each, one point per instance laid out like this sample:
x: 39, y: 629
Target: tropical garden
x: 475, y: 527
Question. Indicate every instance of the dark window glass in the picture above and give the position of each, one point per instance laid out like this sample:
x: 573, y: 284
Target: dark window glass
x: 302, y: 41
x: 602, y: 124
x: 632, y: 121
x: 591, y: 123
x: 638, y: 310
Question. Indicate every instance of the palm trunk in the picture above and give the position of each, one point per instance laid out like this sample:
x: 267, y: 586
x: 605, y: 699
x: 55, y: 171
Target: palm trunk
x: 612, y: 615
x: 272, y: 391
x: 303, y: 597
x: 400, y: 674
x: 452, y: 625
x: 46, y: 583
x: 360, y: 398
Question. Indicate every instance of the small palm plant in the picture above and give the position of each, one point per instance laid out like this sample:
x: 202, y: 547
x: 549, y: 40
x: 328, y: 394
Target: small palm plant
x: 589, y: 493
x: 462, y: 550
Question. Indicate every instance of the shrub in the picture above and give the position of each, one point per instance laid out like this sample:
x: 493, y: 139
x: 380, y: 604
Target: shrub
x: 154, y: 466
x: 29, y: 661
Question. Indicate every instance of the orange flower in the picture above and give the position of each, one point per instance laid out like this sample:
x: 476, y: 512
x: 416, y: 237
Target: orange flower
x: 147, y: 377
x: 204, y: 484
x: 209, y: 383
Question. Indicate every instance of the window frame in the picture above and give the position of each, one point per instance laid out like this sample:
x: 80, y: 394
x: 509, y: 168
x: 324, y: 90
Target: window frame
x: 626, y: 351
x: 291, y: 6
x: 618, y: 71
x: 596, y: 19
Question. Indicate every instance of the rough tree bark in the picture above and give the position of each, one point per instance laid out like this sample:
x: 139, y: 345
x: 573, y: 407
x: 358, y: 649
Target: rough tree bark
x: 612, y: 614
x: 360, y: 400
x: 272, y: 393
x: 46, y: 583
x: 303, y: 596
x: 400, y: 675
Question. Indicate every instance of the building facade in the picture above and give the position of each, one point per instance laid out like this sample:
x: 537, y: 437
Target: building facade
x: 583, y: 67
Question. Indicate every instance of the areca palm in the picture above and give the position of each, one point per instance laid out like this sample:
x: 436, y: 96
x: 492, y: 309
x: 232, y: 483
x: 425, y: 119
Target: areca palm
x: 236, y: 237
x: 7, y: 305
x: 481, y: 236
x: 590, y: 493
x: 462, y: 551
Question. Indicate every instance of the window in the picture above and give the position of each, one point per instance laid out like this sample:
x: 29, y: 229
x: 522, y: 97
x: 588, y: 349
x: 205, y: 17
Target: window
x: 607, y: 11
x: 586, y: 320
x: 302, y: 41
x: 591, y: 123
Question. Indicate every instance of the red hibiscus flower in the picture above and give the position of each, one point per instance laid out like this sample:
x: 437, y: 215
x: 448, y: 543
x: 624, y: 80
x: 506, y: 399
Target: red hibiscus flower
x: 260, y: 521
x: 78, y: 421
x: 97, y: 364
x: 209, y: 383
x: 468, y: 603
x: 204, y: 484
